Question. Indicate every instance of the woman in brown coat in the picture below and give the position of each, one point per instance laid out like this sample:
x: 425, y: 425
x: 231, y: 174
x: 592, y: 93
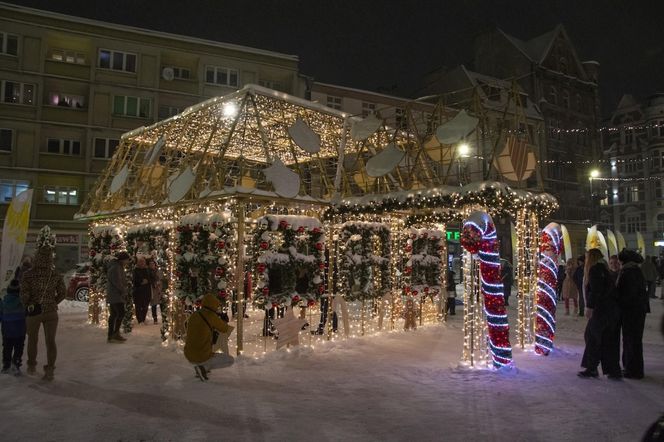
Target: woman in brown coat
x: 570, y: 292
x: 42, y: 289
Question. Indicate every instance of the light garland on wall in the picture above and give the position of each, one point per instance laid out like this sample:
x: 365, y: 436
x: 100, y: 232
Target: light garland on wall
x: 480, y: 239
x: 551, y: 246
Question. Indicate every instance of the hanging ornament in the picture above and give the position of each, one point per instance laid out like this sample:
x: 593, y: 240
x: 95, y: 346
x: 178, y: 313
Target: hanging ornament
x: 304, y: 136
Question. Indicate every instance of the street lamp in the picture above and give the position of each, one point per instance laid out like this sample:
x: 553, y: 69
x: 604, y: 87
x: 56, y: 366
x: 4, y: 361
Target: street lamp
x: 463, y: 152
x: 594, y: 173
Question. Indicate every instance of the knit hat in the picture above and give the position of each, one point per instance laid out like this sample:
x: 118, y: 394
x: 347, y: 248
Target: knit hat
x: 13, y: 285
x: 630, y: 256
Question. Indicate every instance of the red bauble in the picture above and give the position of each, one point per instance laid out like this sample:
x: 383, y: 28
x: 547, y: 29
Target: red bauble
x: 264, y: 245
x: 219, y: 271
x: 300, y: 229
x: 407, y: 289
x: 275, y: 305
x: 321, y: 266
x: 319, y: 246
x: 283, y: 224
x: 222, y: 293
x: 426, y: 289
x: 407, y: 270
x: 296, y: 298
x: 221, y: 244
x: 316, y: 230
x: 260, y: 268
x: 179, y: 228
x: 311, y: 303
x: 409, y: 248
x: 321, y: 288
x: 425, y: 235
x: 93, y: 253
x: 266, y: 290
x: 415, y: 292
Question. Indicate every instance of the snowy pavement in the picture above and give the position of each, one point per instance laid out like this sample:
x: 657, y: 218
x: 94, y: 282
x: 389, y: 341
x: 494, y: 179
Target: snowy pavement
x: 389, y: 387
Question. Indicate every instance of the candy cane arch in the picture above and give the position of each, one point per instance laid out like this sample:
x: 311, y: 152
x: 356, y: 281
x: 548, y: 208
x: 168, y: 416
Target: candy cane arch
x: 551, y: 246
x: 480, y: 239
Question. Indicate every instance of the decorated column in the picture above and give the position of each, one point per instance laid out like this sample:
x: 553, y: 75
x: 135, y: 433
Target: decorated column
x: 480, y: 240
x: 551, y: 246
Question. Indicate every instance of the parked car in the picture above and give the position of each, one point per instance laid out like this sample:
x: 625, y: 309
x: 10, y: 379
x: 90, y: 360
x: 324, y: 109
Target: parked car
x: 77, y: 282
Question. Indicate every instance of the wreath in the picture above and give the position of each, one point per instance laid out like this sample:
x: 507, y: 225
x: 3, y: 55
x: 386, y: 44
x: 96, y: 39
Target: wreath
x: 423, y: 266
x: 203, y: 256
x: 364, y: 268
x: 291, y: 248
x: 104, y: 243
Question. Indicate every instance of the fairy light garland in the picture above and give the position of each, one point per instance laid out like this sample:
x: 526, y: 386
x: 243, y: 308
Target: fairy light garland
x: 551, y: 246
x: 479, y: 237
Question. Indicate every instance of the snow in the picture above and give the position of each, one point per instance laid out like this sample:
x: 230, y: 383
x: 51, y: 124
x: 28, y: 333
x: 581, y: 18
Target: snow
x: 389, y: 386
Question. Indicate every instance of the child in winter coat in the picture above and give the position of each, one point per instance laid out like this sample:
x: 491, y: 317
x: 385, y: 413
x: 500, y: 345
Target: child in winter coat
x: 570, y: 292
x: 12, y: 316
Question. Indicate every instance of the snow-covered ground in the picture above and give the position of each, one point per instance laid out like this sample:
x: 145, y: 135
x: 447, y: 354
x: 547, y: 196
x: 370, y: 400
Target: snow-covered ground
x: 393, y: 386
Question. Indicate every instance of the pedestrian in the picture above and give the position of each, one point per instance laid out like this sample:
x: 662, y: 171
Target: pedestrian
x: 562, y: 268
x: 569, y: 292
x: 650, y: 274
x: 634, y: 305
x: 450, y: 306
x: 202, y: 327
x: 26, y: 264
x: 602, y: 335
x: 507, y: 276
x: 12, y: 316
x: 578, y: 280
x: 42, y: 289
x: 614, y: 266
x: 156, y: 289
x: 142, y: 289
x: 117, y: 293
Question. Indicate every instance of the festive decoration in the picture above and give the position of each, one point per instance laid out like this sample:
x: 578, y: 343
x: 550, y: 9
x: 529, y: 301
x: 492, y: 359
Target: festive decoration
x: 288, y: 328
x: 479, y: 238
x: 424, y: 262
x: 551, y: 246
x: 410, y: 314
x: 288, y: 247
x: 364, y: 261
x: 105, y: 242
x: 203, y: 256
x: 45, y: 238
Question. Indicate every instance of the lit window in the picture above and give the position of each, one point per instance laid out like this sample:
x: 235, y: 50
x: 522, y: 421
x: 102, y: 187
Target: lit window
x: 368, y: 108
x: 117, y: 61
x: 221, y: 76
x: 334, y: 102
x: 10, y: 188
x: 63, y: 147
x: 66, y: 56
x: 105, y: 147
x: 132, y: 106
x: 61, y: 195
x: 8, y: 44
x: 6, y: 140
x: 66, y: 100
x: 17, y: 93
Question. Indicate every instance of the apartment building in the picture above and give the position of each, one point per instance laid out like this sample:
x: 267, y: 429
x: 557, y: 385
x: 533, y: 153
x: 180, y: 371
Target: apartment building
x: 70, y: 87
x: 630, y: 187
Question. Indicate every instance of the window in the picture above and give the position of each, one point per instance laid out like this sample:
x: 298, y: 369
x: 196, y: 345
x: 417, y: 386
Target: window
x: 553, y: 95
x: 271, y: 84
x: 132, y: 106
x: 565, y: 99
x: 61, y: 195
x: 168, y: 111
x: 368, y: 108
x: 633, y: 193
x: 6, y: 140
x: 105, y: 147
x: 63, y: 147
x: 66, y: 100
x: 181, y: 73
x: 604, y: 197
x: 334, y: 102
x: 17, y: 93
x: 66, y: 56
x: 10, y: 188
x: 222, y: 76
x: 8, y: 44
x: 633, y: 223
x: 117, y: 61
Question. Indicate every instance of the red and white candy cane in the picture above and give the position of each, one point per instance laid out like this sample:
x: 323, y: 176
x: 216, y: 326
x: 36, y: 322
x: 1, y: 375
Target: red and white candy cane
x: 479, y: 238
x: 551, y: 246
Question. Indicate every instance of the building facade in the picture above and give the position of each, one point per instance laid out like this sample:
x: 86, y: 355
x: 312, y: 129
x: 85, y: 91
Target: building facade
x: 631, y: 182
x: 70, y: 87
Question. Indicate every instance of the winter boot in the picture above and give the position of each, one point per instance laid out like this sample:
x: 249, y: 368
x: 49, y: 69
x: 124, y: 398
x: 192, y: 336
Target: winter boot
x: 48, y: 373
x: 5, y: 369
x: 32, y: 370
x: 16, y: 368
x: 201, y: 372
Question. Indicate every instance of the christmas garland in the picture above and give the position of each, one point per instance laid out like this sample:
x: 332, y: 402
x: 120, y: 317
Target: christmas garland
x: 203, y: 256
x: 364, y: 271
x: 287, y: 245
x: 479, y: 238
x: 423, y: 265
x: 152, y: 240
x: 551, y: 246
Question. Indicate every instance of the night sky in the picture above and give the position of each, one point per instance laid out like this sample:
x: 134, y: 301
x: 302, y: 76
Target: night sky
x: 388, y: 45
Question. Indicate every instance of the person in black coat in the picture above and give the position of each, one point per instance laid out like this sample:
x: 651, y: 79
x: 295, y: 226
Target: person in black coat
x: 634, y: 304
x: 142, y: 293
x: 578, y: 280
x: 602, y: 333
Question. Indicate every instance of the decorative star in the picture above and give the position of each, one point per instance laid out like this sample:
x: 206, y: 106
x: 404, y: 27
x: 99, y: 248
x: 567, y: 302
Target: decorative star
x: 289, y: 329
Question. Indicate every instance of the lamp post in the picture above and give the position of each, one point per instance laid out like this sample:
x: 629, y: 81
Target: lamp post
x: 463, y: 152
x: 594, y: 173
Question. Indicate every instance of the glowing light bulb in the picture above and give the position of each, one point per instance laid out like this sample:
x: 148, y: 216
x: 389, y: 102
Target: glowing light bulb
x: 464, y: 150
x: 594, y: 173
x: 229, y: 109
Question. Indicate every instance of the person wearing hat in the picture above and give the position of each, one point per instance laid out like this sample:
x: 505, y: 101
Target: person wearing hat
x: 42, y: 289
x: 12, y: 316
x: 634, y: 305
x: 116, y: 295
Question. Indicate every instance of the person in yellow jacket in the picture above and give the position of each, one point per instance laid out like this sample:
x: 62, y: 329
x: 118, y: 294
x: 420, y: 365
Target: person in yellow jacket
x: 201, y: 329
